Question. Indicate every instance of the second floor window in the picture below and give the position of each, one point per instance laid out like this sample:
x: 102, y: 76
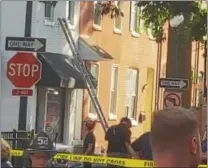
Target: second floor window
x: 97, y: 13
x: 49, y: 11
x: 114, y: 88
x: 135, y: 22
x: 118, y: 17
x: 70, y: 12
x: 94, y: 70
x: 131, y: 93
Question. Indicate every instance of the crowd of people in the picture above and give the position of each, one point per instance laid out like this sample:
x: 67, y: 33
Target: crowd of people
x: 173, y: 141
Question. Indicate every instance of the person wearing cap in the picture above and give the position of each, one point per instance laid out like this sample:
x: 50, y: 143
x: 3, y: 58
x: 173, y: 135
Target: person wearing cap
x: 119, y: 140
x: 175, y: 138
x: 89, y: 141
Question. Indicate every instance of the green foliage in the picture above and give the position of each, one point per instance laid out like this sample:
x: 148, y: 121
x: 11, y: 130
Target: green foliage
x: 109, y: 7
x: 156, y: 13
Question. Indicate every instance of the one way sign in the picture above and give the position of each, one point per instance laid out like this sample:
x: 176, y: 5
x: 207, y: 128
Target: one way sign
x: 25, y: 44
x: 174, y: 83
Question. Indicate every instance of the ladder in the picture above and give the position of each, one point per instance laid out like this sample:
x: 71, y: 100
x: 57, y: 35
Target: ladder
x: 80, y: 65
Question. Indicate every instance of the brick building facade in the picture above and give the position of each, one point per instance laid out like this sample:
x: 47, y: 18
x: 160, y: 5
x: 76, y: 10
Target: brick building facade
x: 128, y: 83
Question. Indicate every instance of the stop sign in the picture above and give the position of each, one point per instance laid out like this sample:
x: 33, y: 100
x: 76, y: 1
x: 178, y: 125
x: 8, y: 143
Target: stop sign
x: 24, y: 70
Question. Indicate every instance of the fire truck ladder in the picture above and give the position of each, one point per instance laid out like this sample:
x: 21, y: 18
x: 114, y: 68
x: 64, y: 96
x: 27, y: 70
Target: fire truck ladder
x: 80, y: 64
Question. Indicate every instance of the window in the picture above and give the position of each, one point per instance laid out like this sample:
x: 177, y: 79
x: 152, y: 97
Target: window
x: 94, y: 70
x: 49, y: 11
x: 97, y: 13
x: 70, y: 11
x: 131, y: 93
x: 54, y: 120
x: 135, y: 17
x: 114, y: 83
x: 118, y: 18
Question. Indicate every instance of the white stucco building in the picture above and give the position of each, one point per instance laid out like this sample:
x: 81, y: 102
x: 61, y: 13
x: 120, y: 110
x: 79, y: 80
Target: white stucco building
x: 49, y: 101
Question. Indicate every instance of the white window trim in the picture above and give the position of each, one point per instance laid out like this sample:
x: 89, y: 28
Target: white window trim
x: 132, y: 17
x: 90, y: 114
x: 134, y: 120
x: 95, y: 26
x: 115, y: 29
x: 111, y: 115
x: 149, y: 33
x: 71, y: 26
x: 47, y: 21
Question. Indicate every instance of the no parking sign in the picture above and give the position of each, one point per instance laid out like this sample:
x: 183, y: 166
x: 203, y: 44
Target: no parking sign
x: 172, y: 99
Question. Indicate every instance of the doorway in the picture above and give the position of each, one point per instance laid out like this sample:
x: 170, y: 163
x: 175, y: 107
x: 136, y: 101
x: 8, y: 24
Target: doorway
x: 149, y: 98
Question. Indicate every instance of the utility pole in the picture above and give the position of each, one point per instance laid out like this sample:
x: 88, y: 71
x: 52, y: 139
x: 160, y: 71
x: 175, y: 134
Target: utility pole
x: 24, y: 100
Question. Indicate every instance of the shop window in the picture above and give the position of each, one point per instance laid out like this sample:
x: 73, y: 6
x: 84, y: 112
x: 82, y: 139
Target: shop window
x: 54, y: 119
x: 131, y: 93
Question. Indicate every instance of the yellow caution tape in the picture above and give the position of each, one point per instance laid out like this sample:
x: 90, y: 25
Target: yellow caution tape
x: 17, y: 152
x: 122, y: 162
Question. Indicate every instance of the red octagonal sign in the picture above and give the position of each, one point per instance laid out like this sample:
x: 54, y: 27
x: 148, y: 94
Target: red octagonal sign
x: 24, y: 70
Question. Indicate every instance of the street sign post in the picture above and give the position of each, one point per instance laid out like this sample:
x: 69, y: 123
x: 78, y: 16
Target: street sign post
x: 172, y: 99
x: 25, y: 44
x: 24, y: 71
x: 174, y: 83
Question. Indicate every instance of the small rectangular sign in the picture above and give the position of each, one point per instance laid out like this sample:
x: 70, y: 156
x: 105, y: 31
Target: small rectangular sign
x: 174, y: 83
x: 22, y: 92
x: 25, y: 44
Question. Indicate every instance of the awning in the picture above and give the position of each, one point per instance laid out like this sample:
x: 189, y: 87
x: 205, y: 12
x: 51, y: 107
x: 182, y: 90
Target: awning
x: 59, y: 70
x: 89, y: 51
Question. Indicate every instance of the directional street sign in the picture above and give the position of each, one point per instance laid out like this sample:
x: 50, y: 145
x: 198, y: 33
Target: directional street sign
x: 174, y: 83
x: 25, y: 44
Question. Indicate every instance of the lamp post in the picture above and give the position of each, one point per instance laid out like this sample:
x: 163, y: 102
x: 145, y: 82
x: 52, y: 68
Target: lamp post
x: 174, y: 23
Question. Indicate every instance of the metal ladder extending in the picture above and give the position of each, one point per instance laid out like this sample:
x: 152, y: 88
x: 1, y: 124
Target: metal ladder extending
x: 84, y: 72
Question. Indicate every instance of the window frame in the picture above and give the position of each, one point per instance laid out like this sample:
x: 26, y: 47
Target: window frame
x: 51, y: 14
x: 133, y: 13
x: 129, y: 93
x: 62, y: 110
x: 116, y: 29
x: 91, y: 114
x: 113, y: 115
x: 70, y: 14
x: 95, y: 25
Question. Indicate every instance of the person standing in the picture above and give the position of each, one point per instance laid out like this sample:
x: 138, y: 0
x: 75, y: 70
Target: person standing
x: 175, y: 138
x: 5, y: 154
x: 119, y: 139
x: 143, y: 147
x: 89, y: 141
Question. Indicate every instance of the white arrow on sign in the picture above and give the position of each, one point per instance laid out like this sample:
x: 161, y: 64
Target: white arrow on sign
x: 182, y: 84
x: 36, y: 45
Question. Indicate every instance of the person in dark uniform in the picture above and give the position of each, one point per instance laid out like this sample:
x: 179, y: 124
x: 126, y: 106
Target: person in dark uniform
x: 119, y: 140
x: 89, y: 141
x: 142, y: 145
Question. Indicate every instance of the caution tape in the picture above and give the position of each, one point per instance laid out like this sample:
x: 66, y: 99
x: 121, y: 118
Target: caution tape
x: 122, y: 162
